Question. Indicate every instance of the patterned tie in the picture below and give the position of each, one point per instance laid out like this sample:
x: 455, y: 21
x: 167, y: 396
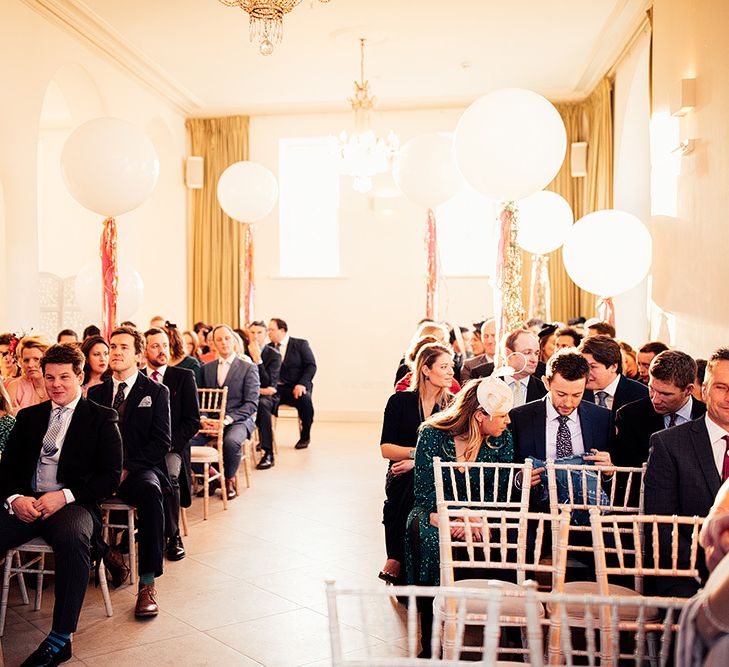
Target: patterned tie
x: 671, y: 420
x: 564, y: 438
x: 518, y: 393
x: 725, y: 470
x: 601, y: 396
x: 157, y: 377
x: 54, y: 428
x: 119, y: 398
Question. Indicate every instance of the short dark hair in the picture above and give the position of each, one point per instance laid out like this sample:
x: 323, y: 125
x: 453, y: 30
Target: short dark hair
x: 5, y: 338
x: 604, y: 349
x: 722, y: 354
x: 64, y: 353
x: 66, y: 332
x: 700, y: 370
x: 134, y: 333
x: 153, y: 331
x: 281, y: 324
x: 654, y: 347
x: 91, y: 330
x: 675, y: 367
x: 603, y: 328
x: 575, y: 335
x: 569, y: 364
x: 128, y: 323
x: 257, y: 323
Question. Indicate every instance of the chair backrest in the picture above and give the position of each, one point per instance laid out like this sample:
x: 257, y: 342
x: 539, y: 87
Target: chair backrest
x: 212, y: 405
x: 491, y: 485
x: 620, y: 541
x: 497, y: 539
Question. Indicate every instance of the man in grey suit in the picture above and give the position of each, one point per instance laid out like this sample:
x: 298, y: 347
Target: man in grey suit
x: 688, y: 463
x: 487, y: 336
x: 241, y: 378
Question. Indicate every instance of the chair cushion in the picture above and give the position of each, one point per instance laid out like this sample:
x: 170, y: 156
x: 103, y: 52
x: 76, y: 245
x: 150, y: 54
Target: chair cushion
x: 625, y: 613
x: 510, y: 606
x: 115, y: 504
x: 203, y: 454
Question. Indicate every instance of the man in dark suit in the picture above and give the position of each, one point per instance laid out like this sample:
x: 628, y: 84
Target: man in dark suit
x: 144, y: 416
x: 687, y: 465
x: 521, y: 348
x: 295, y: 383
x: 184, y: 423
x: 241, y: 378
x: 486, y: 337
x: 268, y: 361
x: 63, y: 456
x: 606, y: 386
x: 645, y: 356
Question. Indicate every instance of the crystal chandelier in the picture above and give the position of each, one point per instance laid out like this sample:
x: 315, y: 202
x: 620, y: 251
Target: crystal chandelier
x: 266, y: 19
x: 364, y: 154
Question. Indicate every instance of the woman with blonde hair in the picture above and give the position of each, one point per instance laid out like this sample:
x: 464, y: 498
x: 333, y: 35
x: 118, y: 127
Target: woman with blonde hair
x: 428, y: 393
x: 29, y: 389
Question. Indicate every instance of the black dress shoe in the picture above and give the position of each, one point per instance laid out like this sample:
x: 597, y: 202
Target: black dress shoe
x: 213, y: 487
x: 266, y: 462
x: 44, y: 656
x: 175, y: 549
x: 303, y: 443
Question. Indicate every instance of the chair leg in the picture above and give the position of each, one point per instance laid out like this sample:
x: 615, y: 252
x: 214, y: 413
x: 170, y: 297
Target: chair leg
x: 6, y: 589
x: 132, y: 548
x: 21, y: 580
x: 183, y: 521
x: 39, y: 582
x: 105, y: 589
x: 206, y: 490
x: 223, y: 479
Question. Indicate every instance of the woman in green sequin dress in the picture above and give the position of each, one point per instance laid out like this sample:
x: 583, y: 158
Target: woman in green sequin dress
x: 7, y: 421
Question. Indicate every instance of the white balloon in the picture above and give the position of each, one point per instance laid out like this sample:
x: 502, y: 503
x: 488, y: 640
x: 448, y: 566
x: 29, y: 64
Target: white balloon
x: 109, y: 166
x: 130, y: 289
x: 543, y: 220
x: 426, y: 170
x: 247, y: 191
x: 594, y: 252
x: 510, y: 143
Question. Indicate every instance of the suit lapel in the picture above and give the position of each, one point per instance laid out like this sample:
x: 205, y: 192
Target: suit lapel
x: 619, y: 392
x: 539, y: 428
x: 39, y: 429
x: 136, y: 393
x: 232, y: 377
x: 705, y: 455
x: 74, y: 429
x: 588, y: 442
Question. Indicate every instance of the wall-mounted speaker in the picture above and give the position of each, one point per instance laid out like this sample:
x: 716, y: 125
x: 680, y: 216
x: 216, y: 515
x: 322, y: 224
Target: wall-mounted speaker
x: 578, y: 159
x: 194, y: 172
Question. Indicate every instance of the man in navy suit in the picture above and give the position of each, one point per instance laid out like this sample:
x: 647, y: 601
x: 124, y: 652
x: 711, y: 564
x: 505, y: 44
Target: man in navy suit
x: 606, y: 386
x: 241, y: 378
x: 144, y: 420
x: 295, y: 383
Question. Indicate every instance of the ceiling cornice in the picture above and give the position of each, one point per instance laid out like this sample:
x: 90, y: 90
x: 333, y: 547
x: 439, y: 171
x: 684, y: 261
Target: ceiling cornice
x: 77, y: 19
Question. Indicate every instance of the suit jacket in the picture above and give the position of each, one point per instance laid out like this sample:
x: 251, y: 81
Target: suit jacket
x: 627, y: 391
x: 270, y: 367
x: 529, y: 428
x: 146, y: 429
x: 243, y: 389
x: 90, y: 463
x: 535, y: 387
x: 469, y: 364
x: 299, y: 365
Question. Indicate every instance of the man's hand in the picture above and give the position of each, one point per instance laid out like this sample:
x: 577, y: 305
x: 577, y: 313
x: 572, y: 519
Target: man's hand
x: 267, y: 391
x: 24, y: 509
x: 254, y: 349
x: 210, y: 426
x: 601, y: 459
x: 402, y: 466
x: 299, y: 390
x: 49, y: 503
x: 536, y: 480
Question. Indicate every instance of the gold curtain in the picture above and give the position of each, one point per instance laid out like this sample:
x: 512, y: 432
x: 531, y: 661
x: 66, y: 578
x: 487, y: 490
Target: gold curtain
x: 591, y: 121
x: 216, y: 238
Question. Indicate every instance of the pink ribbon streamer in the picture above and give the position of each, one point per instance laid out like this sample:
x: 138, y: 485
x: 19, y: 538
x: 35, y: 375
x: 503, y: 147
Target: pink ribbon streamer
x: 431, y: 249
x: 109, y: 277
x: 248, y: 284
x: 606, y: 309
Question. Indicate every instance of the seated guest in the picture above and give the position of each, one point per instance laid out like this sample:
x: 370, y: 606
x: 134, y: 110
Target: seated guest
x: 406, y: 380
x: 476, y: 342
x: 567, y: 337
x: 700, y: 373
x: 184, y: 423
x: 460, y: 354
x: 67, y: 336
x: 202, y: 331
x: 629, y: 358
x: 473, y: 428
x: 426, y: 328
x: 547, y: 342
x: 144, y: 417
x: 96, y: 369
x: 428, y: 393
x: 91, y: 330
x: 62, y: 458
x: 521, y: 349
x: 487, y: 340
x: 178, y: 354
x: 268, y: 362
x: 241, y: 378
x: 600, y: 328
x: 192, y: 344
x: 404, y: 370
x: 645, y: 356
x: 29, y: 389
x: 9, y: 369
x: 688, y: 463
x: 295, y: 381
x: 157, y: 322
x: 606, y: 386
x: 535, y: 325
x: 7, y: 421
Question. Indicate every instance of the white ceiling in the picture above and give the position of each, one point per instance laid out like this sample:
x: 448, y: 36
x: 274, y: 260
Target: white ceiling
x: 426, y: 52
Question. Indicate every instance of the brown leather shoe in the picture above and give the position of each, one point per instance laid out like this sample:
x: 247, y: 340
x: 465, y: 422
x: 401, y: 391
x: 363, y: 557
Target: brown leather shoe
x: 116, y: 567
x: 146, y: 604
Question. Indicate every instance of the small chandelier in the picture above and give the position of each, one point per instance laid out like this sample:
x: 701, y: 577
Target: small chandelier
x: 266, y: 19
x: 363, y: 154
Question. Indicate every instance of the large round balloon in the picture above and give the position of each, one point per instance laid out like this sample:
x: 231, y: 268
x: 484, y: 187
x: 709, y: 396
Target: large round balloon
x: 426, y: 170
x: 130, y: 288
x: 594, y: 252
x: 247, y: 191
x: 510, y: 143
x: 543, y: 221
x: 109, y: 166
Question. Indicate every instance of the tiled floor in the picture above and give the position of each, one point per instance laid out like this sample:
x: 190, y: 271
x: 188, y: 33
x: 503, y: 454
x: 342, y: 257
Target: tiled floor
x: 251, y: 590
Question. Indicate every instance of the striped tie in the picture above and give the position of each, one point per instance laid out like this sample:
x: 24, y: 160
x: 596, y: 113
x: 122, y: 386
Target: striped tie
x: 54, y: 428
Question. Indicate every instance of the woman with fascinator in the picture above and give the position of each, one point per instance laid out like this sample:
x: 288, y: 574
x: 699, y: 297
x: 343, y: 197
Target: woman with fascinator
x: 473, y: 428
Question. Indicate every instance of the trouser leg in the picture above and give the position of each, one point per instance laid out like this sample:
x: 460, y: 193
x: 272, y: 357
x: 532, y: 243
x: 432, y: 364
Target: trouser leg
x: 172, y: 501
x: 233, y: 439
x: 265, y: 423
x: 304, y: 407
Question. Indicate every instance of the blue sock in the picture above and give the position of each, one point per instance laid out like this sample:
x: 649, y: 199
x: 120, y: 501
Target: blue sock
x: 57, y: 640
x: 145, y: 579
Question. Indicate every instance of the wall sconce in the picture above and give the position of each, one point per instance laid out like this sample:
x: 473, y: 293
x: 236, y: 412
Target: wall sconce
x: 686, y: 100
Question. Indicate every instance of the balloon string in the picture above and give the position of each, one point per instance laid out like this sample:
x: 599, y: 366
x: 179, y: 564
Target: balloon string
x: 431, y: 249
x: 109, y: 276
x: 248, y: 283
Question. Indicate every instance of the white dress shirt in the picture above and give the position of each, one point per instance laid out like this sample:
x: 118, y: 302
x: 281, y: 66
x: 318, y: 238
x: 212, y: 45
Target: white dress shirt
x: 223, y: 368
x: 610, y: 391
x: 573, y: 422
x: 682, y: 416
x: 718, y: 444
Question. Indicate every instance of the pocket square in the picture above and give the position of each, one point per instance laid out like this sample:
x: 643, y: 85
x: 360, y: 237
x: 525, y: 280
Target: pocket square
x: 146, y: 402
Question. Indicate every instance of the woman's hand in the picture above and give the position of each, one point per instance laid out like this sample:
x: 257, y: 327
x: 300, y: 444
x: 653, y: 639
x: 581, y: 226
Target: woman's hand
x: 714, y: 536
x: 401, y: 467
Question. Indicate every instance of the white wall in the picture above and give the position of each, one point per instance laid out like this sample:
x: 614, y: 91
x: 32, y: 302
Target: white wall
x: 152, y: 237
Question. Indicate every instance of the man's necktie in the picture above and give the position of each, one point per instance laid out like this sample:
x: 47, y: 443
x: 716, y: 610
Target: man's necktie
x: 54, y: 428
x: 601, y: 398
x: 518, y: 394
x: 277, y: 346
x: 157, y: 377
x: 119, y: 398
x: 564, y: 438
x: 725, y: 470
x: 671, y: 420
